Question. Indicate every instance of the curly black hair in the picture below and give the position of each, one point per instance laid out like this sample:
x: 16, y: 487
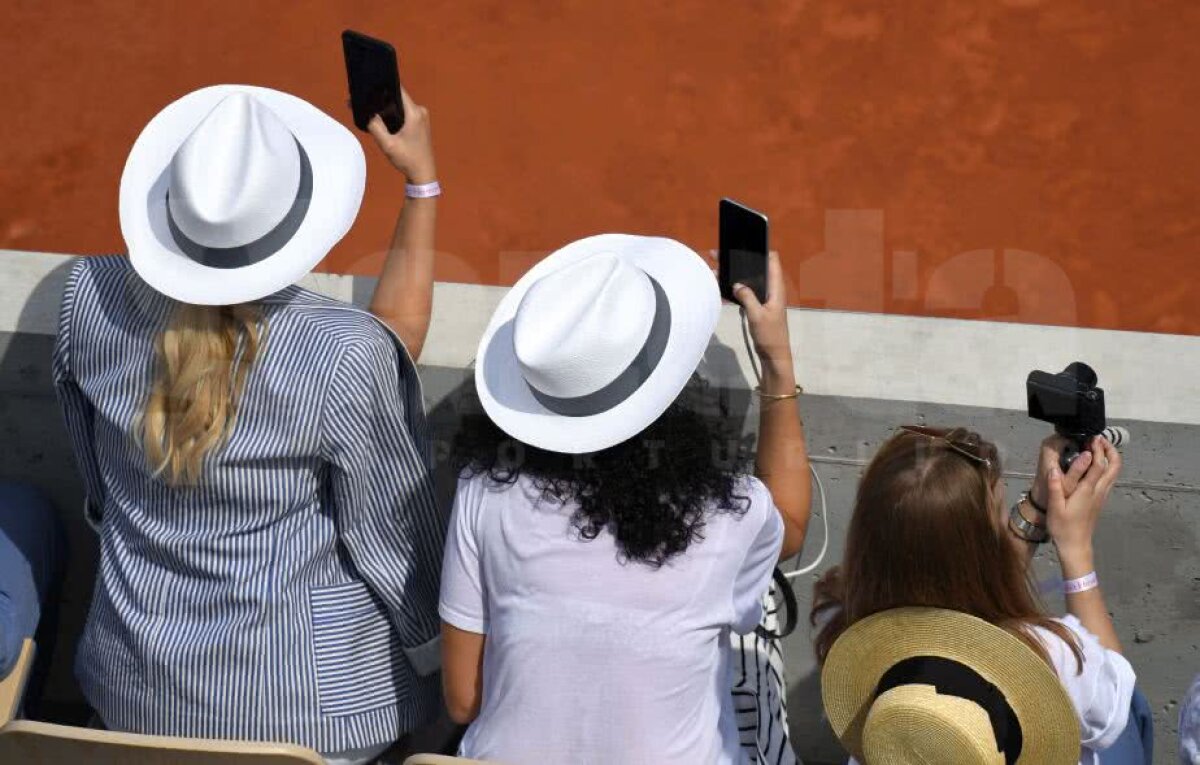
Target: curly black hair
x: 653, y: 492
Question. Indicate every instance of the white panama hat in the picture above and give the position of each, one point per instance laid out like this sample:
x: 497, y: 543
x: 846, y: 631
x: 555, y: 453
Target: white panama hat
x: 233, y: 192
x: 594, y: 343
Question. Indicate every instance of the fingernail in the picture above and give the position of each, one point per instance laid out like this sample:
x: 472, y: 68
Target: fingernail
x: 1055, y: 472
x: 739, y: 286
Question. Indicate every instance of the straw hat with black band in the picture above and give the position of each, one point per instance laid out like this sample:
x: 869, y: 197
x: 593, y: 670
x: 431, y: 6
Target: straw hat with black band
x: 921, y: 685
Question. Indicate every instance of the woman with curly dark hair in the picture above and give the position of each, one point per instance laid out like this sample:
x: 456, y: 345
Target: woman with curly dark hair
x: 606, y: 536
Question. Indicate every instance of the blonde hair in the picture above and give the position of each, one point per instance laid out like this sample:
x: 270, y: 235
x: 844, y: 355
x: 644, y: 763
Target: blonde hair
x: 202, y: 358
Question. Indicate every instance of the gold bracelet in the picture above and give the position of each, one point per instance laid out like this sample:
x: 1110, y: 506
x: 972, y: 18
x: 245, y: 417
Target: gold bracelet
x: 778, y: 396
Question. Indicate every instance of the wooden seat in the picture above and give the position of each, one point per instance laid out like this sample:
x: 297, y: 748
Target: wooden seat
x: 38, y: 743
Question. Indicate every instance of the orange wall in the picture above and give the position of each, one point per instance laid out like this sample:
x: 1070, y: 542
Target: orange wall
x: 1025, y: 160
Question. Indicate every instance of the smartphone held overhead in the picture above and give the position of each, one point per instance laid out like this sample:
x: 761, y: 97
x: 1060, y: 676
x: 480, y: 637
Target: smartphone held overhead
x: 374, y: 80
x: 742, y: 257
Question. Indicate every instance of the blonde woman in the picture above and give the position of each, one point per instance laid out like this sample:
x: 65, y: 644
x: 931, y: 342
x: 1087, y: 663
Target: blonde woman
x: 255, y: 454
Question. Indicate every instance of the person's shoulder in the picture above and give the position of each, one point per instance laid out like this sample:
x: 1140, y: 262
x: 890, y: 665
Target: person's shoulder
x: 754, y: 497
x: 751, y: 511
x: 107, y: 286
x: 1074, y: 628
x: 481, y: 484
x: 1094, y: 654
x: 1059, y: 649
x: 471, y: 482
x: 98, y: 272
x: 101, y: 264
x: 477, y: 495
x: 753, y: 486
x: 470, y: 490
x: 341, y: 324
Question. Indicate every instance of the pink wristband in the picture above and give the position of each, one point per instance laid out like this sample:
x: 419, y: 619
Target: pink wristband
x: 1082, y: 584
x: 422, y: 190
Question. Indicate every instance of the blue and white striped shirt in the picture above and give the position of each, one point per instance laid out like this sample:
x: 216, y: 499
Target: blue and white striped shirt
x: 292, y: 596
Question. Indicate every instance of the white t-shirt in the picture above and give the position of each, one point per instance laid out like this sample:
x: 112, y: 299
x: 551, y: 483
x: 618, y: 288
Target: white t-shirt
x: 1101, y: 693
x: 588, y: 660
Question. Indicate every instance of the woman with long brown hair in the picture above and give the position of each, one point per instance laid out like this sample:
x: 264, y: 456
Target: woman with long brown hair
x: 931, y: 528
x: 255, y: 455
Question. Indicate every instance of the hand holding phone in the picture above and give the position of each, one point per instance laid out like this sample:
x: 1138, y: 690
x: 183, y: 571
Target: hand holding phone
x: 374, y: 80
x: 410, y: 150
x: 742, y: 257
x: 768, y: 327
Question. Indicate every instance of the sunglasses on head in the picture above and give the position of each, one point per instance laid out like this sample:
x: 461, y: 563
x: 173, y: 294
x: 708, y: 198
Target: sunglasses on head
x: 966, y: 447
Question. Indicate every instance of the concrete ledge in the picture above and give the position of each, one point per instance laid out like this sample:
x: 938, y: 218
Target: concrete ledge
x: 1149, y: 377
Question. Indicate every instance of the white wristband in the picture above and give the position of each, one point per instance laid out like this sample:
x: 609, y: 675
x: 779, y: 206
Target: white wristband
x: 422, y: 190
x: 1082, y: 584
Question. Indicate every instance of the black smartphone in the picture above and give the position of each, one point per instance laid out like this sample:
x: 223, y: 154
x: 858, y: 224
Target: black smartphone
x: 374, y: 80
x: 743, y: 250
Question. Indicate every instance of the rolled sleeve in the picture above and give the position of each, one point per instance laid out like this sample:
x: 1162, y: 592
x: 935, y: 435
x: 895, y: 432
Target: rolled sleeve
x: 1101, y: 692
x: 383, y: 494
x: 464, y: 601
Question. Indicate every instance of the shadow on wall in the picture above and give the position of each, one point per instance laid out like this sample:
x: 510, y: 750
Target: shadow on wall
x: 34, y: 447
x: 32, y: 444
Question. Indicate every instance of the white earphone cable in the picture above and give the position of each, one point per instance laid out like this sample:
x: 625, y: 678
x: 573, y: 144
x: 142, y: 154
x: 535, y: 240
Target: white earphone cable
x: 796, y: 571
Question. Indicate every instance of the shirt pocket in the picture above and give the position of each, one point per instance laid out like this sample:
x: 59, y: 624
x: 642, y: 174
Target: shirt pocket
x: 356, y: 653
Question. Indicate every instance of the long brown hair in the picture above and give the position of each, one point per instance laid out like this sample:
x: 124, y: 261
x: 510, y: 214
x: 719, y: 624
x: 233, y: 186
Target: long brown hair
x: 202, y: 358
x: 924, y: 533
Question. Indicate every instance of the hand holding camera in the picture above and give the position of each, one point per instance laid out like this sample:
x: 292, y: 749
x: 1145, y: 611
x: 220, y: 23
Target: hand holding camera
x: 1072, y: 520
x: 1049, y: 457
x: 1078, y: 465
x: 1073, y: 403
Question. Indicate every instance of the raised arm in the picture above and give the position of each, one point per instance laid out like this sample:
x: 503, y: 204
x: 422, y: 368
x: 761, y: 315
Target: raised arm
x: 782, y: 459
x: 1072, y: 524
x: 404, y: 297
x: 1033, y: 508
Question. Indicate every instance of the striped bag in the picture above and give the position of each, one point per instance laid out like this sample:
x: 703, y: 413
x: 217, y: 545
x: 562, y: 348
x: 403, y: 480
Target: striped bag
x: 759, y: 690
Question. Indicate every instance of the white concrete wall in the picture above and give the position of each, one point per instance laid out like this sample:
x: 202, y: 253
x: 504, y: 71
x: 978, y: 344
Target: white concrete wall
x: 945, y: 361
